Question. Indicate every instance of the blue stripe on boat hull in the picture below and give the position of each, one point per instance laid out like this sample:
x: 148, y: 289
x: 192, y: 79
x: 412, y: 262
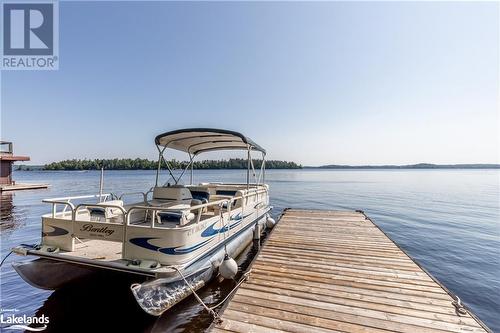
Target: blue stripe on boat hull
x: 144, y: 241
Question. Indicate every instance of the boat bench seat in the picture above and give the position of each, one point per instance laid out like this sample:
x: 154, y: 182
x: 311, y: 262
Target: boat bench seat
x: 200, y: 193
x: 174, y: 219
x: 173, y: 193
x: 168, y: 203
x: 103, y: 213
x: 235, y: 203
x: 228, y: 192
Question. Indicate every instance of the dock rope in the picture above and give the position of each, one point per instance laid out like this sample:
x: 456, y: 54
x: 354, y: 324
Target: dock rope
x: 459, y: 306
x: 21, y: 250
x: 211, y: 309
x: 243, y: 278
x: 1, y: 263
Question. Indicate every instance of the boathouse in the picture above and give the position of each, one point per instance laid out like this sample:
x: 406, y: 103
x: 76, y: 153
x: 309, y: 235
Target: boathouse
x: 7, y: 158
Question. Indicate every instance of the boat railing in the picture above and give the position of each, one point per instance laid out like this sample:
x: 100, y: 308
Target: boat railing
x: 128, y: 194
x: 224, y: 205
x: 66, y: 202
x: 100, y: 205
x: 159, y: 209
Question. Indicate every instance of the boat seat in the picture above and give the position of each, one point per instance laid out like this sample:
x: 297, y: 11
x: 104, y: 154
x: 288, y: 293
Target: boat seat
x: 196, y: 202
x: 165, y: 203
x: 228, y: 192
x: 174, y: 219
x: 200, y: 193
x: 173, y: 193
x: 104, y: 213
x: 237, y: 203
x: 166, y: 196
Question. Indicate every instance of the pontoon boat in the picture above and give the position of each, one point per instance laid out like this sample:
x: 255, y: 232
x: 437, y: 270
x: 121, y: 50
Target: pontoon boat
x: 176, y: 234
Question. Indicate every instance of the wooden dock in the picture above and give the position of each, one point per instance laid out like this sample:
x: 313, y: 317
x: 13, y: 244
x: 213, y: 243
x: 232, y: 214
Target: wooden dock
x: 336, y: 271
x: 17, y: 186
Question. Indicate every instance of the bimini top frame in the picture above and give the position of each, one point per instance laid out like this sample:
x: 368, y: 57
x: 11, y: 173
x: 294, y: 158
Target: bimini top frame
x: 195, y: 141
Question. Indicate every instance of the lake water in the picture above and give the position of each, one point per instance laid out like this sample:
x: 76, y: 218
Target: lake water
x: 447, y: 220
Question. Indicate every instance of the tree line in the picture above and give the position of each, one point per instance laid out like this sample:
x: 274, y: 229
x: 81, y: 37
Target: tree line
x: 145, y: 164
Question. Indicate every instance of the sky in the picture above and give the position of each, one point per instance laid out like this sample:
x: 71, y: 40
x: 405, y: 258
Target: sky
x: 312, y: 82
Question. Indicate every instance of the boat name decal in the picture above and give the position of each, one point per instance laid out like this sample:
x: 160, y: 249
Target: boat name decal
x: 103, y: 230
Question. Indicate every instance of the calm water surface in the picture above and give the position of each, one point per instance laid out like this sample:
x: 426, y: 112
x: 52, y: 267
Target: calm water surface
x: 447, y: 220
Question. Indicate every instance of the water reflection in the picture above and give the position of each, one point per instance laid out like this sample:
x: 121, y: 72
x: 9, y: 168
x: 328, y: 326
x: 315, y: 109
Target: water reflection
x: 103, y: 302
x: 11, y: 218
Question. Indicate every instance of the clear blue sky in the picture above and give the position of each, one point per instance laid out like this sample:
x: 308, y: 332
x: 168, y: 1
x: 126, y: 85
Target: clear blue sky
x: 317, y: 83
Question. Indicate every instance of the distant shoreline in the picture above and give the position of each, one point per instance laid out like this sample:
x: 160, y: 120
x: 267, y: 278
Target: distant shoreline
x: 279, y: 166
x: 409, y: 166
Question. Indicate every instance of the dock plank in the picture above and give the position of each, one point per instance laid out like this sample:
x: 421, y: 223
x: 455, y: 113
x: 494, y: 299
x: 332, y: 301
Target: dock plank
x: 336, y: 271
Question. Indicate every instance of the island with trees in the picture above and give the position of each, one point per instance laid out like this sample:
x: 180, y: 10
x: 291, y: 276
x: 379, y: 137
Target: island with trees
x: 145, y: 164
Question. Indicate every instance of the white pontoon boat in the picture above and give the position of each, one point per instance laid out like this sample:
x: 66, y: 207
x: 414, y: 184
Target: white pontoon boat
x: 178, y: 234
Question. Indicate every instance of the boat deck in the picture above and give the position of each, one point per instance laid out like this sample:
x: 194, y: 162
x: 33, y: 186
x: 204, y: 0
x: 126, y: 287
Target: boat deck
x: 331, y: 271
x: 96, y: 250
